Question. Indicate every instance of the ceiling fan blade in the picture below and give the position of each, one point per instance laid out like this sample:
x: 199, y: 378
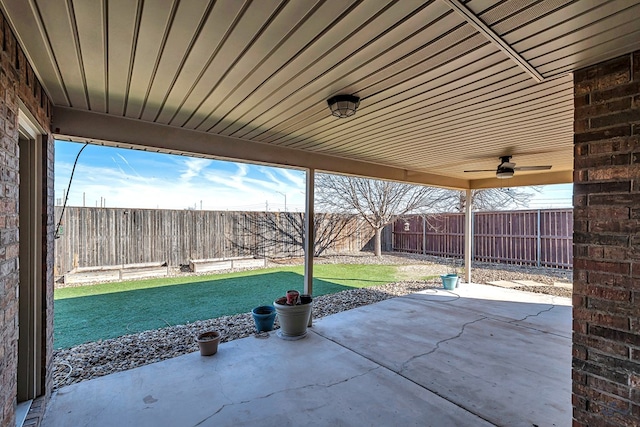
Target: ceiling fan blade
x: 532, y: 168
x: 481, y: 170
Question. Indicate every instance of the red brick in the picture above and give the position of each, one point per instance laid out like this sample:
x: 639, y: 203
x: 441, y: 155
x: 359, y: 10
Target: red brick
x: 581, y: 101
x: 605, y: 372
x: 622, y: 91
x: 602, y: 160
x: 608, y: 387
x: 576, y: 423
x: 578, y: 401
x: 602, y: 319
x: 609, y: 74
x: 609, y: 267
x: 579, y: 201
x: 615, y: 119
x: 620, y: 145
x: 594, y: 395
x: 615, y: 416
x: 621, y: 226
x: 616, y: 335
x: 579, y: 351
x: 592, y: 344
x: 603, y: 109
x: 596, y: 252
x: 597, y: 212
x: 614, y: 253
x: 579, y: 377
x: 619, y: 173
x: 625, y: 199
x: 608, y: 293
x: 614, y: 307
x: 612, y: 280
x: 579, y: 327
x: 581, y: 126
x: 603, y: 134
x: 602, y: 187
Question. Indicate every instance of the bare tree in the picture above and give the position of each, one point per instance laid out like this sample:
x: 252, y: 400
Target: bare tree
x: 493, y: 199
x: 377, y: 202
x: 283, y: 233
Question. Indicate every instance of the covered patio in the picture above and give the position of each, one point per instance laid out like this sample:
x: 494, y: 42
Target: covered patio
x: 458, y: 94
x: 480, y: 356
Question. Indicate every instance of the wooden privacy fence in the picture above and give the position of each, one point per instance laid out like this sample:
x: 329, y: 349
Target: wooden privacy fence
x: 535, y: 237
x: 93, y: 237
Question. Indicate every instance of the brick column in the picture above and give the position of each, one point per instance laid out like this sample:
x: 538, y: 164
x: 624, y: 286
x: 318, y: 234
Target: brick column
x: 606, y: 296
x: 18, y: 83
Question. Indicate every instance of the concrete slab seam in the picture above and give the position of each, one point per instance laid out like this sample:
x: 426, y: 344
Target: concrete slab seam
x: 407, y: 378
x: 528, y: 316
x: 266, y: 396
x: 497, y: 319
x: 437, y: 347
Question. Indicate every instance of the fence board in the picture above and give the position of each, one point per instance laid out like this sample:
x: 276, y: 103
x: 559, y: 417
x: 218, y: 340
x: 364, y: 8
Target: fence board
x: 535, y: 237
x: 114, y: 236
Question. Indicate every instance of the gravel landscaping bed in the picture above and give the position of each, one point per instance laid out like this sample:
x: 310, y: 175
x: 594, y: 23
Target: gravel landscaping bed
x: 100, y: 358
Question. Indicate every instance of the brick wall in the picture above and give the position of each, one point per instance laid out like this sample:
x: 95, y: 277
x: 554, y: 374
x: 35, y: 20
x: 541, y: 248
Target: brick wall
x: 17, y: 82
x: 606, y: 301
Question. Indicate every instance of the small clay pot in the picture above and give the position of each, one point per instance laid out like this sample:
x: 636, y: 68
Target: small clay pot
x: 208, y: 342
x: 305, y: 299
x: 292, y: 297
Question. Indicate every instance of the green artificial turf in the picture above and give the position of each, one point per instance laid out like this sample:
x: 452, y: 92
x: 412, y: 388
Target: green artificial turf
x: 108, y: 310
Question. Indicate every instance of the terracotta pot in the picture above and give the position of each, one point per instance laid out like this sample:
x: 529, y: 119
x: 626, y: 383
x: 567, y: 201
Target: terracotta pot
x: 208, y: 342
x: 292, y: 297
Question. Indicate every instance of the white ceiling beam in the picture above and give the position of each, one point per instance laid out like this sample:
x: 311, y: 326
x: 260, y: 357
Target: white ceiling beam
x: 524, y: 180
x: 485, y: 30
x: 84, y: 126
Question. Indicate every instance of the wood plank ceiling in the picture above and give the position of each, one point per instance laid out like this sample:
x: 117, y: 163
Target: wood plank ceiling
x: 438, y: 94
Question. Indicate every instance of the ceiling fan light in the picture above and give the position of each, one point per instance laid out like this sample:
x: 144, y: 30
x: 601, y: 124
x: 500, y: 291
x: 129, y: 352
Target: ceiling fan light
x: 504, y: 173
x: 343, y: 105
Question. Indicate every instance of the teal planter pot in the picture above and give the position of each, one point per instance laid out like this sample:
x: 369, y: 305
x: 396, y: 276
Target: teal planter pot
x: 449, y: 281
x: 264, y: 316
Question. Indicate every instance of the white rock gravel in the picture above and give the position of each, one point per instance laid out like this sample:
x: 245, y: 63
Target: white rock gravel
x: 100, y: 358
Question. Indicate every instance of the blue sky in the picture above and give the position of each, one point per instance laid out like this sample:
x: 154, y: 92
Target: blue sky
x: 118, y: 177
x: 131, y: 178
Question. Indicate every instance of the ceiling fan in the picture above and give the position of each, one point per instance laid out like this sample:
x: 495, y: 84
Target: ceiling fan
x: 506, y: 168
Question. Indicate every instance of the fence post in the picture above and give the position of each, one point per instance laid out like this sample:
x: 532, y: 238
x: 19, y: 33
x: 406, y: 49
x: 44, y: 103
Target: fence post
x: 539, y: 243
x: 424, y: 235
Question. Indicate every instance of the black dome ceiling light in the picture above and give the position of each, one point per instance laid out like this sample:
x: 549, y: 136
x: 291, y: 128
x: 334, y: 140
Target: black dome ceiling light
x: 343, y: 105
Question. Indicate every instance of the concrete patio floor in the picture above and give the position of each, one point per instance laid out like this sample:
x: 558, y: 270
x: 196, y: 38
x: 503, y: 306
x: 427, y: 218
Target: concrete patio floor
x: 479, y: 356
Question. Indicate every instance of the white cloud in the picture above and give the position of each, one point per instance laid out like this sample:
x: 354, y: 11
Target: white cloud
x: 191, y: 184
x: 193, y: 167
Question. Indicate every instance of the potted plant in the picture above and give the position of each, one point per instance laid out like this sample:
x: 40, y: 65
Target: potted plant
x: 293, y: 316
x: 208, y: 342
x: 264, y: 316
x: 449, y: 281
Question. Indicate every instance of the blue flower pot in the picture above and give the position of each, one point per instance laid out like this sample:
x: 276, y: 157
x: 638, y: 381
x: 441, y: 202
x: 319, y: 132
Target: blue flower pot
x: 264, y: 316
x: 449, y: 281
